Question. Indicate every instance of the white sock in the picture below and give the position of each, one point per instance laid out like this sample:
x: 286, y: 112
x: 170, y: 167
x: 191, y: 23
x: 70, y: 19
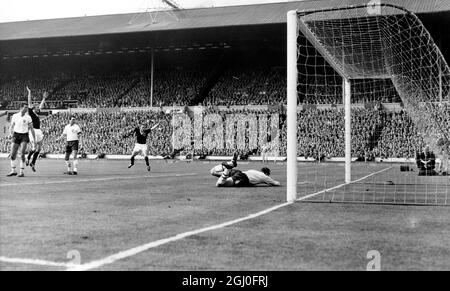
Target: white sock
x: 22, y: 166
x: 75, y: 165
x: 13, y: 166
x: 68, y: 165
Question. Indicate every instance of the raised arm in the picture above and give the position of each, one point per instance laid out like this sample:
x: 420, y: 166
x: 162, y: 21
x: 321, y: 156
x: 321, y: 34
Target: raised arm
x: 44, y: 96
x: 29, y: 97
x: 155, y: 126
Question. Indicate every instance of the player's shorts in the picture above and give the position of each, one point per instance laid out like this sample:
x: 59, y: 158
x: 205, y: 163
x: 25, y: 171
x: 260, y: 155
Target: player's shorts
x: 240, y: 179
x: 140, y: 148
x: 19, y: 138
x: 39, y: 136
x: 72, y: 146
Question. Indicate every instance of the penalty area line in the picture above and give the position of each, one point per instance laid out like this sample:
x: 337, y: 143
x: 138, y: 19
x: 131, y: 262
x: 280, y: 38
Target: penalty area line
x: 139, y: 249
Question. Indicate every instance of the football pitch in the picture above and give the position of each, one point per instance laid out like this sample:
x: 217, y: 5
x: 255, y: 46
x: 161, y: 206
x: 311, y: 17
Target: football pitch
x: 174, y: 218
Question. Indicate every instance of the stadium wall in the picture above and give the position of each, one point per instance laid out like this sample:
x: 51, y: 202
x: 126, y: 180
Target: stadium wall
x: 223, y: 158
x: 387, y: 106
x: 392, y: 107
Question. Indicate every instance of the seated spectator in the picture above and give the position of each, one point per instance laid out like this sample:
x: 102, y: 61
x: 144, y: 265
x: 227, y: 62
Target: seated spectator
x: 426, y: 162
x: 443, y: 161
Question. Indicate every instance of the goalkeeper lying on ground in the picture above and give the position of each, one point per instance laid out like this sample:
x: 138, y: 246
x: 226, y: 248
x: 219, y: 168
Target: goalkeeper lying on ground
x: 230, y: 177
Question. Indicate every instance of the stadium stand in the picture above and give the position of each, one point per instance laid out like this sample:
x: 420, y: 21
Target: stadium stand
x: 103, y: 132
x: 377, y: 133
x: 91, y: 63
x: 249, y: 86
x: 176, y: 86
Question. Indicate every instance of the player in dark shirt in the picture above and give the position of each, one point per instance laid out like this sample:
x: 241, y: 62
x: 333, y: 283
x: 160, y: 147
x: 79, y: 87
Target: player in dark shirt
x: 140, y: 147
x: 36, y: 144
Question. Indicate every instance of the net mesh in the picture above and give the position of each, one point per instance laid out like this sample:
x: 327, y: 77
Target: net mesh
x: 389, y: 57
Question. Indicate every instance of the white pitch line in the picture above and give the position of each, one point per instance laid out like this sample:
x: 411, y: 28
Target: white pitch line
x: 134, y: 251
x: 43, y: 183
x: 36, y: 262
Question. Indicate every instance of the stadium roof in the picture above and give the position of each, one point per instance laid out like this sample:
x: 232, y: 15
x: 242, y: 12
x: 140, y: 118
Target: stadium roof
x: 274, y: 13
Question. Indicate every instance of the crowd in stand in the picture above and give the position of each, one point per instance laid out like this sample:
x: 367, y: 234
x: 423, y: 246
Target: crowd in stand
x: 177, y: 86
x: 96, y: 91
x: 321, y: 133
x: 250, y: 86
x: 321, y: 90
x: 15, y: 90
x: 5, y: 145
x: 399, y: 129
x: 375, y: 133
x: 264, y: 85
x: 103, y: 132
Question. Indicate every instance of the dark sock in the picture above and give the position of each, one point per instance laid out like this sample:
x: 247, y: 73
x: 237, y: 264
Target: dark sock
x: 147, y: 161
x: 35, y: 156
x: 30, y: 154
x: 132, y: 160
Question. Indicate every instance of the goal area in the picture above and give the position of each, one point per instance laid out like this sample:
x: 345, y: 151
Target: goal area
x: 383, y: 135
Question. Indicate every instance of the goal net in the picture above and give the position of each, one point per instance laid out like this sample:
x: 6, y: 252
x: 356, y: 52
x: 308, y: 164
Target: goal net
x: 383, y: 136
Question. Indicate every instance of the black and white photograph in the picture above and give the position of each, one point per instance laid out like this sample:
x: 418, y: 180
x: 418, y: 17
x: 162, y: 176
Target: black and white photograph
x: 224, y: 143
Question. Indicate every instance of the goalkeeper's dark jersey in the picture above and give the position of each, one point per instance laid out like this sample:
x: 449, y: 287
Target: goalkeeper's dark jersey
x: 141, y: 138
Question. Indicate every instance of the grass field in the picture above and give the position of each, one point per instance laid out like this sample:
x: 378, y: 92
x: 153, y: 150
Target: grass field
x: 174, y: 218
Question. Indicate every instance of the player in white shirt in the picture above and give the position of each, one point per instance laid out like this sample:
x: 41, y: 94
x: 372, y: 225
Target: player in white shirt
x: 21, y: 124
x: 230, y: 177
x: 72, y: 131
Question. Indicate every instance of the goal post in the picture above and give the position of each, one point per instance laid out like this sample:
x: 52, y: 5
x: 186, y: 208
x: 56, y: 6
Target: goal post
x: 348, y: 129
x: 355, y: 57
x: 292, y: 102
x: 293, y: 28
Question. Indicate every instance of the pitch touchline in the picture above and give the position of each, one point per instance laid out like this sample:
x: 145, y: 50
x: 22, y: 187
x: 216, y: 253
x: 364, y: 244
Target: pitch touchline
x: 134, y: 251
x: 36, y: 262
x: 95, y: 180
